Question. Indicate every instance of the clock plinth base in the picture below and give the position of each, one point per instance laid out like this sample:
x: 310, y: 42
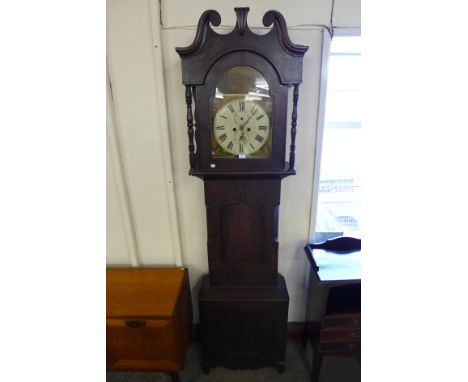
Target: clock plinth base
x: 243, y: 327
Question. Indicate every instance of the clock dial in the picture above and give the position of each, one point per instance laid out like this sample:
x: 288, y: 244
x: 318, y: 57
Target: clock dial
x: 241, y: 127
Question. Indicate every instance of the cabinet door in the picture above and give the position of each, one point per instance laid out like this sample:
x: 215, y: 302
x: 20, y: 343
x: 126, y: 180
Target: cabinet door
x: 141, y: 344
x: 244, y: 334
x: 242, y: 218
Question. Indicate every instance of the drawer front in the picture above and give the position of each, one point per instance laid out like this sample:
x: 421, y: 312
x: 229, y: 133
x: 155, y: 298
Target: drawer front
x: 339, y: 347
x: 345, y: 322
x: 341, y: 335
x: 141, y: 344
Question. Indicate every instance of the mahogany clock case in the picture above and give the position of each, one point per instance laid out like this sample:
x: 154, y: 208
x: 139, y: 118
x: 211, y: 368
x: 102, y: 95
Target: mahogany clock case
x: 243, y: 300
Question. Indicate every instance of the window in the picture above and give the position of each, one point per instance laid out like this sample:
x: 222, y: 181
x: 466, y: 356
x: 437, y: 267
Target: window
x: 338, y: 199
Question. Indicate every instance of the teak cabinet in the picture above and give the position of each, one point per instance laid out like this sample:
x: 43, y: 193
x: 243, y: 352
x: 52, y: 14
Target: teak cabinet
x: 148, y: 319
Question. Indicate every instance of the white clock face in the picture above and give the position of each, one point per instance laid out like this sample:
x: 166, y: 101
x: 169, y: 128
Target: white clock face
x: 241, y: 127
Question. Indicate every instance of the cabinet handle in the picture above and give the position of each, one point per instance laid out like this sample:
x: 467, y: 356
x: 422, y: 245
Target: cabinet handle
x: 135, y: 324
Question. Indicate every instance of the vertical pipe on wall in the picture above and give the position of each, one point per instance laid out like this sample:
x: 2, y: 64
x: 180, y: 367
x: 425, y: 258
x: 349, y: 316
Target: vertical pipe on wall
x: 155, y: 15
x: 122, y: 189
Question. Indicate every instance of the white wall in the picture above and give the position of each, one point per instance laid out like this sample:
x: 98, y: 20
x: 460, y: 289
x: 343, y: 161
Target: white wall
x: 136, y: 109
x: 143, y: 103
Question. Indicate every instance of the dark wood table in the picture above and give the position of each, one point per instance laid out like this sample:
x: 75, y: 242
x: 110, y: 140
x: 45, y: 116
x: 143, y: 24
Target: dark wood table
x: 333, y: 316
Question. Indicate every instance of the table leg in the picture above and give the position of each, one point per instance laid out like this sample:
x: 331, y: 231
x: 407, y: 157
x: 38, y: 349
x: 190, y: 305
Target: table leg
x: 175, y: 377
x: 317, y: 363
x: 305, y: 336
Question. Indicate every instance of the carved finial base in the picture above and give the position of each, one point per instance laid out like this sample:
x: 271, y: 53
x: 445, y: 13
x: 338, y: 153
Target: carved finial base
x: 241, y: 13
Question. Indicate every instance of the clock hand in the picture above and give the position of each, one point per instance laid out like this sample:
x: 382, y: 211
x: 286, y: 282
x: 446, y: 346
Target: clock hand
x: 248, y: 119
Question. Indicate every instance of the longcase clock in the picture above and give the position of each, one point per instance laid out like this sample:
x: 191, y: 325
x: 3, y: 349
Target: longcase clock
x: 236, y: 94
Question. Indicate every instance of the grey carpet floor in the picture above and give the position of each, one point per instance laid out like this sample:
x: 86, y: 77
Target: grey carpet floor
x: 298, y: 366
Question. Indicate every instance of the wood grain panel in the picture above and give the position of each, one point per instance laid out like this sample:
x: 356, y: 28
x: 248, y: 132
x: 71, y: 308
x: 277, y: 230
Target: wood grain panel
x: 146, y: 344
x: 149, y: 317
x: 243, y: 327
x: 242, y: 231
x: 142, y: 292
x: 242, y: 219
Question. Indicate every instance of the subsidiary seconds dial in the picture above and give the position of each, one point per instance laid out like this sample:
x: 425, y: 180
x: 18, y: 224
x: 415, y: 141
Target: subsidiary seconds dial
x: 241, y: 127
